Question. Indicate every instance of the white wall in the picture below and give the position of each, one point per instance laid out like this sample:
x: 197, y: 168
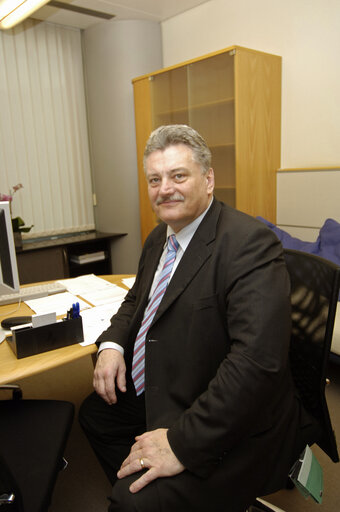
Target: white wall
x: 114, y: 53
x: 305, y: 199
x: 306, y: 33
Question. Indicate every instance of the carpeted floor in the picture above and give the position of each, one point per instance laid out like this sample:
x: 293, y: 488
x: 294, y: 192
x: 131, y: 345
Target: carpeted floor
x: 83, y: 486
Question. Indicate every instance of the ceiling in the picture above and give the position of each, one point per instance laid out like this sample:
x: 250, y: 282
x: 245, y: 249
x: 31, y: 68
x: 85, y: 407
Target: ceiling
x: 156, y: 10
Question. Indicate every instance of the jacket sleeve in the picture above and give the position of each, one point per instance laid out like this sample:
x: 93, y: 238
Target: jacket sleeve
x: 241, y: 398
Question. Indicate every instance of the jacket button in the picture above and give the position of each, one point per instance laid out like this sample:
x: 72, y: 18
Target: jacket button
x: 152, y: 341
x: 152, y: 389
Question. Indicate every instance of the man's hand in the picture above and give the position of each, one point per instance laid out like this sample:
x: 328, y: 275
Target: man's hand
x: 110, y: 369
x: 153, y: 452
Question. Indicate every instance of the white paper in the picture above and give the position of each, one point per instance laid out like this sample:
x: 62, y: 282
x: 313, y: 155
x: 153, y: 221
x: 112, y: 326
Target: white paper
x: 59, y: 303
x: 82, y: 284
x: 46, y: 319
x: 96, y: 320
x: 107, y: 296
x: 129, y: 281
x: 3, y: 334
x: 95, y: 290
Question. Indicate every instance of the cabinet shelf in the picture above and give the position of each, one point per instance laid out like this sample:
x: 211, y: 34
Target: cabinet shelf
x: 201, y: 106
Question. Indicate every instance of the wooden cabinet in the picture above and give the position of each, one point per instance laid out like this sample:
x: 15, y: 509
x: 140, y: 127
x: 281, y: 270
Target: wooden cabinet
x: 233, y: 99
x: 68, y: 256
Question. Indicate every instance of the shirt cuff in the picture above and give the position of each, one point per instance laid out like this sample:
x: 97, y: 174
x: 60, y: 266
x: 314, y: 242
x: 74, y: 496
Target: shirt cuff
x: 110, y: 344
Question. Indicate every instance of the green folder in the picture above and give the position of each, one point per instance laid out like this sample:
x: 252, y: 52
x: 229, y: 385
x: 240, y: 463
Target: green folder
x: 307, y: 475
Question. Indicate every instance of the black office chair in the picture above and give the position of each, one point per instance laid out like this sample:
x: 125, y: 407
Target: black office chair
x: 33, y: 436
x: 315, y: 286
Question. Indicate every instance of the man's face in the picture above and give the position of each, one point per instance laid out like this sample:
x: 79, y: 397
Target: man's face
x: 178, y: 190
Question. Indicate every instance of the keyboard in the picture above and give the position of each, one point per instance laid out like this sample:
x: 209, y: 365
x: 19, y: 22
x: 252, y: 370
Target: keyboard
x: 32, y: 292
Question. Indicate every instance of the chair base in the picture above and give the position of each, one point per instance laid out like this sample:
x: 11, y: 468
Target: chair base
x: 263, y: 506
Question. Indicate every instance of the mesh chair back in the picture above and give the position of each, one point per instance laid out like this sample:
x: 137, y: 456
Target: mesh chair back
x: 314, y: 294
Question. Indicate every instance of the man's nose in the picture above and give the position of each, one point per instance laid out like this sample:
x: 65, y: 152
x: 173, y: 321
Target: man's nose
x: 166, y: 186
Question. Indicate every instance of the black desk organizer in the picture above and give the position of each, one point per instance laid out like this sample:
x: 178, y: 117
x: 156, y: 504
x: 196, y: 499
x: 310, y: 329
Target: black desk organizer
x: 28, y: 341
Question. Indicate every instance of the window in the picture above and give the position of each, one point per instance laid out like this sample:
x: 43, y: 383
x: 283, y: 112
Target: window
x: 43, y: 128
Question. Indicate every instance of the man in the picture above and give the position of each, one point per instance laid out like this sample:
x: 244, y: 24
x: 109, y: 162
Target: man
x: 194, y: 407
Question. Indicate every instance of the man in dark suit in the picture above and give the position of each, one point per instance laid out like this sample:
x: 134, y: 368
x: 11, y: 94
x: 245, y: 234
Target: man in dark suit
x: 194, y: 407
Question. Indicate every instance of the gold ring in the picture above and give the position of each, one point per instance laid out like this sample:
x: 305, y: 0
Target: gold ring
x: 141, y: 461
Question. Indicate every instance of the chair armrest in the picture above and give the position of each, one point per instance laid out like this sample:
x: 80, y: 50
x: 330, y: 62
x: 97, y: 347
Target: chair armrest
x: 17, y: 393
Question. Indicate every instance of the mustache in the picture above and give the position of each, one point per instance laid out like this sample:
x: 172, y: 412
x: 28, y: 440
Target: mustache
x: 174, y: 197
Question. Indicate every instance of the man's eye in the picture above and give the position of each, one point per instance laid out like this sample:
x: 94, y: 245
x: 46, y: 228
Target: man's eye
x: 153, y: 181
x: 179, y: 176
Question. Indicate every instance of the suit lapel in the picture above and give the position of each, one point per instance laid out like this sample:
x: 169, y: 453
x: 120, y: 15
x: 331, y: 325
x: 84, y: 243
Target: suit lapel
x: 198, y: 251
x: 152, y: 257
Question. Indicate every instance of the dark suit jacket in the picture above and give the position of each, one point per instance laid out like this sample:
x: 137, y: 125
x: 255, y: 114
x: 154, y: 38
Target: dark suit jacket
x: 217, y: 370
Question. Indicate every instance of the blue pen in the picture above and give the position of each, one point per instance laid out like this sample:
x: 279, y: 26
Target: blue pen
x: 76, y: 310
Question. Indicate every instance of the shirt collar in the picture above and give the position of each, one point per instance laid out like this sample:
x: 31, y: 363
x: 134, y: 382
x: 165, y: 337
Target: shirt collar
x: 185, y: 235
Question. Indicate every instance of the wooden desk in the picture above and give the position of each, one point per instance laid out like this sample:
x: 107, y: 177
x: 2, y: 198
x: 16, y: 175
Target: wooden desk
x: 13, y: 369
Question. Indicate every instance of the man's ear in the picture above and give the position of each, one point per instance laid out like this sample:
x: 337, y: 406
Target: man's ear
x: 210, y: 180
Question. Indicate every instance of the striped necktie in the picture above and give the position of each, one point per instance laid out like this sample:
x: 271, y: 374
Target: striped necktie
x: 138, y: 362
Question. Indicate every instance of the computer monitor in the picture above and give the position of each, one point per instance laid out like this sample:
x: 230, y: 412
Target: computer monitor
x: 9, y: 278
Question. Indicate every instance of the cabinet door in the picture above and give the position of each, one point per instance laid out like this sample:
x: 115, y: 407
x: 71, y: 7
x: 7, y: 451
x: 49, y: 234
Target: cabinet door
x: 169, y: 97
x: 258, y: 131
x: 42, y: 265
x: 143, y: 128
x: 201, y: 95
x: 212, y: 113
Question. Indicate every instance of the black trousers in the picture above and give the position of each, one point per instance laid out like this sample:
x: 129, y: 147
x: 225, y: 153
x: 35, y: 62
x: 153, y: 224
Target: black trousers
x: 111, y: 429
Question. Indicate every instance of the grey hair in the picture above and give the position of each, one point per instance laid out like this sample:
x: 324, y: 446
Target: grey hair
x: 170, y: 135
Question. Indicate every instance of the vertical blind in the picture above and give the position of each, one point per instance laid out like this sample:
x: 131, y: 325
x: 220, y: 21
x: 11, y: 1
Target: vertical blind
x: 43, y: 128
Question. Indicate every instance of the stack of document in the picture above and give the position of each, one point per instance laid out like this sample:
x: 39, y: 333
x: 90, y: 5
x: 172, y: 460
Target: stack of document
x: 95, y: 290
x: 81, y: 259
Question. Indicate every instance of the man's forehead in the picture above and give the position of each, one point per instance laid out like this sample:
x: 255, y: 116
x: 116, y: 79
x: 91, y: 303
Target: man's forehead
x: 173, y: 149
x: 175, y: 156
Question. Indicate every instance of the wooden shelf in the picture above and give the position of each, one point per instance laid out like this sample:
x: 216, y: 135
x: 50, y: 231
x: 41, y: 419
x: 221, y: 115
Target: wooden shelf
x: 201, y: 106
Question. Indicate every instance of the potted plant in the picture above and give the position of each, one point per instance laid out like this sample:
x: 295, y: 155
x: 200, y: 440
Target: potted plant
x: 18, y: 224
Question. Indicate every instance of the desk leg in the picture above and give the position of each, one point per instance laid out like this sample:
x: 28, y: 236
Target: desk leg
x: 94, y: 359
